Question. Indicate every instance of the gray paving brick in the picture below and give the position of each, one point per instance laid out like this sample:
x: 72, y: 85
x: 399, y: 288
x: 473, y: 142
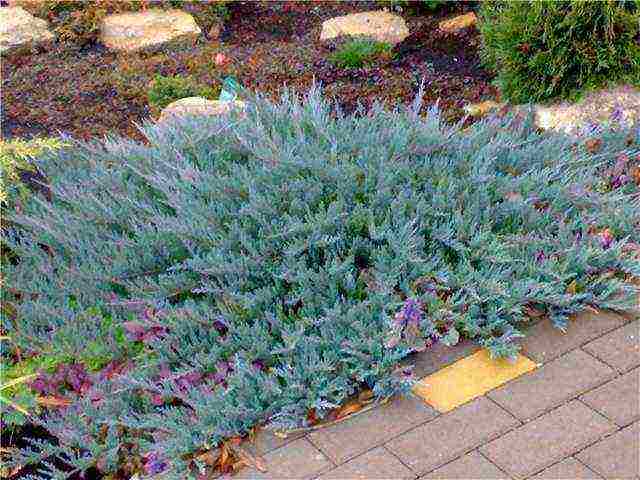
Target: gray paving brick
x: 619, y: 399
x: 472, y: 465
x: 544, y: 342
x: 375, y: 464
x: 296, y: 460
x: 547, y: 439
x: 567, y: 469
x: 617, y: 456
x: 347, y: 439
x: 619, y: 348
x: 453, y: 434
x: 439, y: 356
x: 551, y: 385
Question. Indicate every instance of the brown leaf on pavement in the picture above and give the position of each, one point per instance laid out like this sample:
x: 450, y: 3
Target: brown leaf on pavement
x: 593, y: 145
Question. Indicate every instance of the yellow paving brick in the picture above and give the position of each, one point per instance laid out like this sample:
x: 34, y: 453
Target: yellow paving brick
x: 469, y: 378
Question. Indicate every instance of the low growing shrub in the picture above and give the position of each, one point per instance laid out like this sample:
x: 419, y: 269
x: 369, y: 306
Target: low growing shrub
x: 541, y: 50
x: 360, y: 52
x: 266, y: 267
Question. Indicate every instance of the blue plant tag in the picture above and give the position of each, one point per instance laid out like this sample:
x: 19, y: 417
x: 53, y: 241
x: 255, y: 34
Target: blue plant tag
x: 230, y: 88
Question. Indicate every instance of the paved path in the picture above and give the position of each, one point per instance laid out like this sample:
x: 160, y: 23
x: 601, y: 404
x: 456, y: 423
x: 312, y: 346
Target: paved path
x: 576, y: 416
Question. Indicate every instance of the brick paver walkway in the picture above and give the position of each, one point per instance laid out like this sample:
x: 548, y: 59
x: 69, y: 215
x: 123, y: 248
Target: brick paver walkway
x: 577, y: 416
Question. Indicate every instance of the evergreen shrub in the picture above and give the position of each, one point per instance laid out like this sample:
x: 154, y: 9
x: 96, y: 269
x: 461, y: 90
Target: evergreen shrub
x: 541, y: 50
x: 261, y: 269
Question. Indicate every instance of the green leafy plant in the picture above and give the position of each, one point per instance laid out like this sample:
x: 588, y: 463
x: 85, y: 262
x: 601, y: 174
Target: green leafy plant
x: 273, y: 264
x: 164, y: 90
x: 415, y: 5
x: 19, y: 175
x: 19, y: 404
x: 542, y: 50
x: 360, y: 52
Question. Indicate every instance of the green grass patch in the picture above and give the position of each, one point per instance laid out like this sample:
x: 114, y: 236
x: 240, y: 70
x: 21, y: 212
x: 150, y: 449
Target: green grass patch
x: 359, y: 53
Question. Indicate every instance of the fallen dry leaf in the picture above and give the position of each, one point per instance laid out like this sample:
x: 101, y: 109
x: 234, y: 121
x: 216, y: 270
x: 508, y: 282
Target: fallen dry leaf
x: 211, y: 457
x: 365, y: 395
x: 572, y: 287
x: 349, y: 408
x: 253, y: 461
x: 225, y: 463
x: 53, y: 401
x: 312, y: 417
x: 593, y: 145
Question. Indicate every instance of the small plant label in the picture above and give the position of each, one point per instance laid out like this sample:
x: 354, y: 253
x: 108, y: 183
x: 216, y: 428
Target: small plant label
x: 229, y: 92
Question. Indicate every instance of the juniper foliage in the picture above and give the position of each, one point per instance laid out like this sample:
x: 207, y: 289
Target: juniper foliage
x: 278, y: 262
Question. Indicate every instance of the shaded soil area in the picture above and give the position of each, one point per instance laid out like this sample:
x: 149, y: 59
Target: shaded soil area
x: 88, y: 91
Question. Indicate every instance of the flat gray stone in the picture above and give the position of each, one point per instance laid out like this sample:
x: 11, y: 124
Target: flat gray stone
x: 378, y: 25
x: 137, y: 30
x: 198, y: 106
x: 19, y: 28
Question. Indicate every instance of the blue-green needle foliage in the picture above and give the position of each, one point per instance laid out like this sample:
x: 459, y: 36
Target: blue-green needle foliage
x: 289, y: 257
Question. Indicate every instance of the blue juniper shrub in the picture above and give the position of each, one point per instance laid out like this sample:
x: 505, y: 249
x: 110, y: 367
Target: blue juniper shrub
x: 275, y: 264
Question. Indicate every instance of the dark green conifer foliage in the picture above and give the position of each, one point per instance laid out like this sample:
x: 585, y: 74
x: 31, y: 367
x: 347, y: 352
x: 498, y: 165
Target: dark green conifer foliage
x: 541, y: 50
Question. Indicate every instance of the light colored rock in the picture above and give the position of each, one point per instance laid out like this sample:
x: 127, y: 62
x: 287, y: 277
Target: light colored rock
x: 595, y: 107
x: 481, y: 108
x: 379, y: 25
x: 135, y: 30
x: 458, y: 23
x: 19, y: 28
x: 198, y: 106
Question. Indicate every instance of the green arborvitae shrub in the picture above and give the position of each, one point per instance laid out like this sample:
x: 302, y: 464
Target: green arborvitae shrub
x: 253, y: 268
x: 164, y: 90
x: 360, y: 52
x: 541, y: 50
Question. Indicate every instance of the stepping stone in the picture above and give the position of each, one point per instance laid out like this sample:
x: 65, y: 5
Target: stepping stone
x: 136, y: 30
x: 458, y: 23
x: 18, y: 28
x: 569, y: 118
x: 469, y: 378
x: 198, y: 106
x: 378, y: 25
x: 595, y: 107
x: 480, y: 109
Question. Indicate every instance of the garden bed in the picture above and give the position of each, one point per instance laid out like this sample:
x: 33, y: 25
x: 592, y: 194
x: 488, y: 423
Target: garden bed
x: 276, y: 268
x: 211, y: 276
x: 91, y: 91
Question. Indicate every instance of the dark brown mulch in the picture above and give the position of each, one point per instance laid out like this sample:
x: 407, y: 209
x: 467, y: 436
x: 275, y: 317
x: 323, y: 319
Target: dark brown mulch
x: 90, y: 91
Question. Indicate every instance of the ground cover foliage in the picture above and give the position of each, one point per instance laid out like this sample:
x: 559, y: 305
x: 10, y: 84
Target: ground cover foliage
x: 262, y: 268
